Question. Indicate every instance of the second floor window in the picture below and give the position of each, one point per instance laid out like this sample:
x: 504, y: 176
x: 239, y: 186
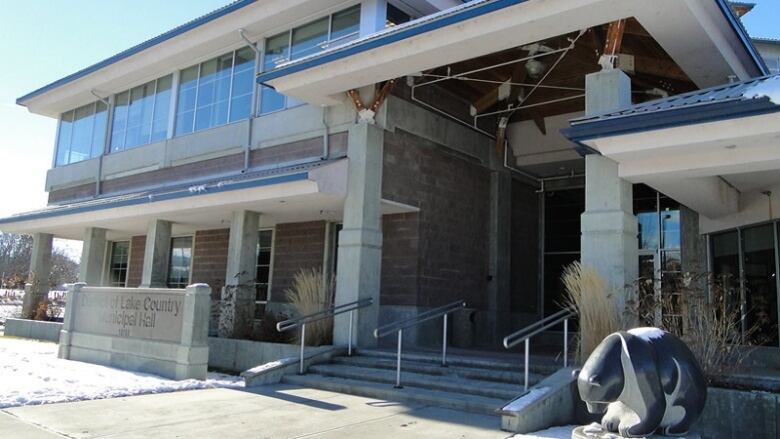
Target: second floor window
x: 141, y: 114
x: 81, y: 134
x: 215, y: 92
x: 180, y: 262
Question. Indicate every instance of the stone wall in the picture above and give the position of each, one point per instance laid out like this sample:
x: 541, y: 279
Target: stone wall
x: 400, y: 259
x: 452, y: 192
x: 136, y: 263
x: 296, y: 246
x: 209, y: 259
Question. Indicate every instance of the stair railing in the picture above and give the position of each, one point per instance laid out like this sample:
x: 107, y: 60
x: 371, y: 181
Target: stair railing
x: 328, y: 313
x: 399, y: 326
x: 525, y: 334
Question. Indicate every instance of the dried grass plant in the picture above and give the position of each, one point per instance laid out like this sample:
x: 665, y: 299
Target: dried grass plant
x: 588, y: 293
x: 309, y: 294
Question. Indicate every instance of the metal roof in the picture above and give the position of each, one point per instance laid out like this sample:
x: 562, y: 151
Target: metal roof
x: 178, y: 30
x: 202, y: 187
x: 728, y: 101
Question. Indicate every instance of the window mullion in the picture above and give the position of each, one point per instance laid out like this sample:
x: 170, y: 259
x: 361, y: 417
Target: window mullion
x: 174, y: 104
x: 230, y: 87
x: 70, y: 137
x: 197, y: 90
x: 154, y: 108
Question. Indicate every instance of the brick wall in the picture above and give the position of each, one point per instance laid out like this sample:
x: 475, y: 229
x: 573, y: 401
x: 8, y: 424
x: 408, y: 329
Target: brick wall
x: 136, y: 266
x: 296, y: 246
x: 400, y: 259
x: 209, y: 261
x: 453, y: 195
x: 72, y: 193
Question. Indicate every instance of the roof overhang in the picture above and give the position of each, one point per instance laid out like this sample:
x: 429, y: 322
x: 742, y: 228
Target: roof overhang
x: 703, y: 37
x: 200, y: 39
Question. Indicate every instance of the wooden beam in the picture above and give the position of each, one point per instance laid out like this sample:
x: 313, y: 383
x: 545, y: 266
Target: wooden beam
x: 659, y: 67
x: 383, y: 93
x: 614, y: 37
x: 356, y: 101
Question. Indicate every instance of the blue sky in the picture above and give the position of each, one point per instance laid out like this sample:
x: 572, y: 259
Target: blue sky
x: 44, y: 40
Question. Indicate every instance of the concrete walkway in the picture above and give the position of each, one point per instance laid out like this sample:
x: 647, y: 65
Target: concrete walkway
x: 280, y: 411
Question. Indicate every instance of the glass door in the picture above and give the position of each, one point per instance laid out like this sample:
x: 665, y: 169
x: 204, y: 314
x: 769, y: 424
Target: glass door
x: 760, y: 270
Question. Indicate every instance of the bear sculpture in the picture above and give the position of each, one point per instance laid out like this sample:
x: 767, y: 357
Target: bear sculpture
x: 644, y: 380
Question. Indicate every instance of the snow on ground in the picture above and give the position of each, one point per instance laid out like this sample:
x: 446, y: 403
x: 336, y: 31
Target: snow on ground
x: 550, y: 433
x: 527, y: 399
x: 31, y: 373
x: 9, y: 311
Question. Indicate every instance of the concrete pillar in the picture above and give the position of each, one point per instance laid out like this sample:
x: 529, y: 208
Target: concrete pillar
x: 37, y: 287
x: 238, y: 297
x: 500, y: 254
x: 156, y: 254
x: 609, y: 227
x: 360, y: 240
x: 373, y: 16
x: 93, y: 256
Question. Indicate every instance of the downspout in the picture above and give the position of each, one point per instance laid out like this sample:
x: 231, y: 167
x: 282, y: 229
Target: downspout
x: 326, y: 134
x: 253, y: 111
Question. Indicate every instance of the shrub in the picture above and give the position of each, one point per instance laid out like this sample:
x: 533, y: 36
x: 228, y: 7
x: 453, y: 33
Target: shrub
x: 309, y: 294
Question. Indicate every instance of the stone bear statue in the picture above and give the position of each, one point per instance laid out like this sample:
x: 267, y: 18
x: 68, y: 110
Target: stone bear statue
x: 646, y: 380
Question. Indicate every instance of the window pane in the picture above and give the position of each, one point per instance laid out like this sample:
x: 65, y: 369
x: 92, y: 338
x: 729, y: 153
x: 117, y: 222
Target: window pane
x: 139, y: 115
x: 119, y: 260
x: 185, y: 111
x: 276, y: 52
x: 99, y: 129
x: 213, y: 92
x: 162, y: 108
x: 761, y: 284
x: 243, y: 83
x: 179, y: 265
x: 119, y: 124
x: 81, y: 140
x: 270, y: 100
x: 63, y: 141
x: 346, y: 25
x: 309, y: 39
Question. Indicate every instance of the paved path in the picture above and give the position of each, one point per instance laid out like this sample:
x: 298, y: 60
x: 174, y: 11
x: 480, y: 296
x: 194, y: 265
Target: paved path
x: 279, y: 411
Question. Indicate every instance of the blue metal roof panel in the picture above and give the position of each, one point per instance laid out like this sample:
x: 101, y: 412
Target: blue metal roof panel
x: 192, y: 24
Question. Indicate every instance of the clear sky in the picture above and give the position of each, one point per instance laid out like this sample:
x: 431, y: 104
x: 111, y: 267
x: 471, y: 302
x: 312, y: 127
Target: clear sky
x: 44, y: 40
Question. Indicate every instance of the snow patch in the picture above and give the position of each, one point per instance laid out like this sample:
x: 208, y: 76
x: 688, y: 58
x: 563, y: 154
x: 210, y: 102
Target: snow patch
x: 31, y: 374
x: 526, y: 400
x: 269, y: 366
x: 648, y: 333
x: 769, y: 88
x: 551, y: 433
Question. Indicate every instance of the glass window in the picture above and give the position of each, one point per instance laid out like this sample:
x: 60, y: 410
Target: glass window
x: 180, y: 261
x: 243, y: 83
x: 185, y: 111
x: 213, y: 92
x: 263, y: 276
x: 760, y: 284
x: 277, y: 51
x: 81, y: 134
x: 162, y: 108
x: 345, y: 25
x: 309, y: 39
x: 117, y: 275
x: 141, y: 114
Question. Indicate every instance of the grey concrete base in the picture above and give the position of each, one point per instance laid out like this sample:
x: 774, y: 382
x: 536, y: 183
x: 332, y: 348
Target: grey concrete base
x: 273, y: 372
x: 38, y: 330
x: 556, y: 406
x: 232, y: 355
x: 734, y: 414
x: 594, y: 431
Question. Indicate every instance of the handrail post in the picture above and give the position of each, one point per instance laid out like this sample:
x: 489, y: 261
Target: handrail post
x: 527, y: 340
x: 444, y: 343
x: 566, y: 343
x: 303, y: 341
x: 351, y: 319
x: 398, y: 364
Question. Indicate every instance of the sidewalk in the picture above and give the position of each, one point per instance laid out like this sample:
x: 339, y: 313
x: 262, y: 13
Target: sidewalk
x: 279, y: 411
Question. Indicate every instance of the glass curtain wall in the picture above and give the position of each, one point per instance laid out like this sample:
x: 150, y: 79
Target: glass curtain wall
x: 141, y: 114
x: 303, y: 41
x: 215, y: 92
x: 81, y: 134
x: 746, y: 261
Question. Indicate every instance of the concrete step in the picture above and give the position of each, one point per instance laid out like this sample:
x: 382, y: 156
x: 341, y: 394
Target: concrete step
x: 408, y: 394
x: 501, y: 391
x: 474, y: 373
x: 540, y: 365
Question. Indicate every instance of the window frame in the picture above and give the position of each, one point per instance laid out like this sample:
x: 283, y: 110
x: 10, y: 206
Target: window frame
x: 269, y: 283
x: 148, y: 141
x: 170, y: 261
x: 110, y: 263
x: 108, y: 109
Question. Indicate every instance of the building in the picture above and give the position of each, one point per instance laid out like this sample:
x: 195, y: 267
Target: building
x: 414, y: 150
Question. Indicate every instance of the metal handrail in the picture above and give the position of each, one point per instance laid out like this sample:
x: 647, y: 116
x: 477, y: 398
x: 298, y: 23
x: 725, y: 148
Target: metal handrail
x: 333, y: 311
x: 399, y: 326
x: 525, y: 334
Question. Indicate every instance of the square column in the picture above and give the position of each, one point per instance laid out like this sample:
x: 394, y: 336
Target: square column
x: 373, y: 16
x: 93, y: 256
x: 238, y: 296
x: 156, y: 255
x: 499, y: 287
x: 360, y: 241
x: 37, y: 289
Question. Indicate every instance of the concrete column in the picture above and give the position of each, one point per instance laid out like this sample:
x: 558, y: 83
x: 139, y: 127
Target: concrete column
x: 37, y: 288
x: 360, y: 240
x: 500, y: 248
x: 373, y: 16
x: 238, y: 297
x: 609, y: 227
x: 156, y: 254
x: 93, y: 256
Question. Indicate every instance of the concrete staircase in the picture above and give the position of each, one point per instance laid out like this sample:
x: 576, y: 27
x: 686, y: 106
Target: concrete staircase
x: 469, y: 383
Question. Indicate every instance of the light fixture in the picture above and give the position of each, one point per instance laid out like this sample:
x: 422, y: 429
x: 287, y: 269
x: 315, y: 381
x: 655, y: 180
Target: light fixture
x: 535, y: 68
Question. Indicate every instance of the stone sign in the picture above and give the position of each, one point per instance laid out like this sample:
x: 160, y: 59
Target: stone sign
x: 160, y: 331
